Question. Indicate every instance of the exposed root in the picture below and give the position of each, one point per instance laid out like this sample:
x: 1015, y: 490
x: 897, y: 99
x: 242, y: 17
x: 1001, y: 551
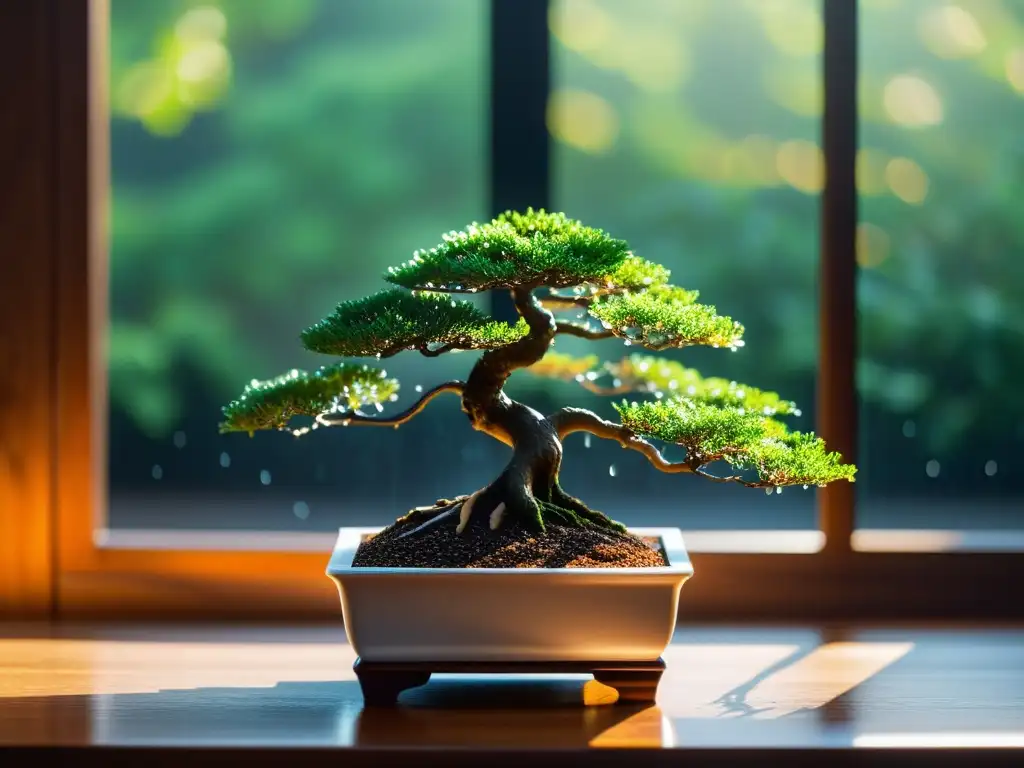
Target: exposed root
x: 445, y: 513
x: 496, y: 515
x: 428, y: 513
x: 466, y: 511
x: 591, y: 516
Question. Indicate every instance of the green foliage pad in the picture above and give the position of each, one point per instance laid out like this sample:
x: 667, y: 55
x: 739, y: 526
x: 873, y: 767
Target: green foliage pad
x: 271, y: 404
x: 515, y: 249
x: 666, y: 317
x: 644, y: 373
x: 393, y: 320
x: 744, y: 439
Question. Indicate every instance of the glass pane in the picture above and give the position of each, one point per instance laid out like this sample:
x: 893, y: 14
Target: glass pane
x: 941, y: 287
x: 271, y: 158
x: 690, y: 129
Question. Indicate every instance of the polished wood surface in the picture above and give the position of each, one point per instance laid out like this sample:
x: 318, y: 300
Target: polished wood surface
x: 861, y: 691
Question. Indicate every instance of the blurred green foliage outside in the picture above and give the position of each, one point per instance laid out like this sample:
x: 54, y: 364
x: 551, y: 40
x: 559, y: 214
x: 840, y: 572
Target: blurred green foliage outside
x: 272, y: 158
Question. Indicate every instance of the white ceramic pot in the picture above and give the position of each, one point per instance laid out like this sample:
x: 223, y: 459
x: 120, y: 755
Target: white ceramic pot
x: 510, y: 614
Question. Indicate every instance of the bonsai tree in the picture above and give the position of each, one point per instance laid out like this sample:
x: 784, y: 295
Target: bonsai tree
x: 552, y: 266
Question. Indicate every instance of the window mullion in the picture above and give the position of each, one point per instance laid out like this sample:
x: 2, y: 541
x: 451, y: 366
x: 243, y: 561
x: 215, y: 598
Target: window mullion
x: 837, y: 327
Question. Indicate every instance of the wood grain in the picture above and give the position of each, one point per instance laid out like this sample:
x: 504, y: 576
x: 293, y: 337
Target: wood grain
x: 27, y: 363
x: 860, y: 691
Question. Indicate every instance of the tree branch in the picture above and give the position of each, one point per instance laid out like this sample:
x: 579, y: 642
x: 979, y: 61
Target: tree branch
x: 347, y: 419
x: 427, y: 352
x: 444, y: 289
x: 570, y: 420
x: 555, y: 301
x: 583, y: 331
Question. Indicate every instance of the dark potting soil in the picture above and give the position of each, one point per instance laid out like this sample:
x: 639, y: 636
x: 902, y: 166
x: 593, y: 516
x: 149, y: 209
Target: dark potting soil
x: 437, y: 545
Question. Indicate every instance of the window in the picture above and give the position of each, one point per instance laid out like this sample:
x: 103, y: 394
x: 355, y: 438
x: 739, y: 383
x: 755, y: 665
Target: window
x: 907, y: 240
x: 268, y: 161
x: 940, y: 287
x: 691, y: 130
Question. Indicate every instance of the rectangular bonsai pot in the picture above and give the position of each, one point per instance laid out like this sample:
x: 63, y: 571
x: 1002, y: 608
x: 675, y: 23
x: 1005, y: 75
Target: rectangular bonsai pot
x: 510, y: 614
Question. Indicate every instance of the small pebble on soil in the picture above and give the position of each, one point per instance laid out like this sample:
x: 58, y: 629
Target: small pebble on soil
x: 437, y: 545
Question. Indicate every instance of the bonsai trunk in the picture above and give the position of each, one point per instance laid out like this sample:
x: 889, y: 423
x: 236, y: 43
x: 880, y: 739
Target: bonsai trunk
x: 528, y: 487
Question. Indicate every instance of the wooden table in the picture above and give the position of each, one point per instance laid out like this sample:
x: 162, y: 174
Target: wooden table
x: 201, y: 695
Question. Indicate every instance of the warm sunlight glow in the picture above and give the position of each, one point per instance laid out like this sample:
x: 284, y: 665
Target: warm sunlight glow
x: 579, y: 25
x: 655, y: 60
x: 872, y: 245
x: 907, y: 180
x: 796, y: 88
x: 582, y: 120
x: 200, y: 24
x: 824, y: 674
x: 951, y: 32
x: 1015, y: 69
x: 912, y: 102
x: 792, y: 26
x: 801, y: 165
x: 710, y: 679
x: 100, y: 667
x: 648, y: 729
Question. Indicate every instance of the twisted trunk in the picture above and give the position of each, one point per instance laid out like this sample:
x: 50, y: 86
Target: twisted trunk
x: 527, y: 489
x: 536, y: 450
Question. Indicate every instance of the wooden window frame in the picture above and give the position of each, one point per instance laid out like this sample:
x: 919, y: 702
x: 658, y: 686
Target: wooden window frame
x: 54, y: 562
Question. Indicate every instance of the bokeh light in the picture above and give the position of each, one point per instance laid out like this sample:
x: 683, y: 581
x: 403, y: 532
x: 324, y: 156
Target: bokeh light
x: 801, y: 165
x: 872, y: 245
x: 907, y: 180
x: 582, y: 120
x: 1015, y: 69
x: 951, y: 32
x: 912, y: 102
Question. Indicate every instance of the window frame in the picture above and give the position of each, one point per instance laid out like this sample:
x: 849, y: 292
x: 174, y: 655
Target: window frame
x: 69, y: 569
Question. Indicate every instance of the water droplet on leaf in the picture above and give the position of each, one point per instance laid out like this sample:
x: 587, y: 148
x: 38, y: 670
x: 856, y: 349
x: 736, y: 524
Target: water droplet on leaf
x: 586, y: 440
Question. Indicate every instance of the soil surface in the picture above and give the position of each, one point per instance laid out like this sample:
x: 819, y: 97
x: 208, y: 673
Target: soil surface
x: 435, y: 544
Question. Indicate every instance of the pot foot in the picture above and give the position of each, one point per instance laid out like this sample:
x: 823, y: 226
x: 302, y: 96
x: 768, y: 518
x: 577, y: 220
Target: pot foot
x: 636, y: 682
x: 381, y: 686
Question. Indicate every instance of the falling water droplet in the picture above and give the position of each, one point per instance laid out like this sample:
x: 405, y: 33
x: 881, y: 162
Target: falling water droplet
x: 225, y: 460
x: 612, y: 471
x: 419, y: 387
x: 586, y: 440
x: 932, y: 468
x: 300, y: 509
x: 265, y: 477
x: 991, y: 468
x: 767, y: 491
x: 909, y: 428
x: 157, y: 472
x: 179, y: 439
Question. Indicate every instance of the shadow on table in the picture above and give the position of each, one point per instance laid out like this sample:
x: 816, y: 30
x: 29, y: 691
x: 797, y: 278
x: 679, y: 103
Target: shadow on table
x: 553, y: 713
